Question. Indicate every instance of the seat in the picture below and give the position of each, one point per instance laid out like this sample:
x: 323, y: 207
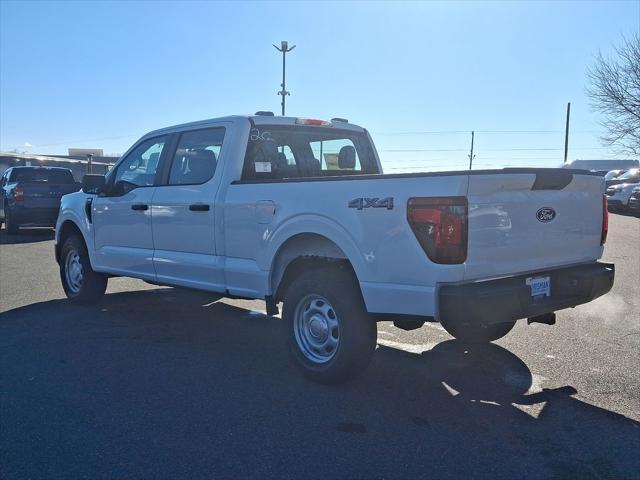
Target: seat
x: 201, y: 167
x: 313, y: 167
x: 283, y: 169
x: 347, y: 158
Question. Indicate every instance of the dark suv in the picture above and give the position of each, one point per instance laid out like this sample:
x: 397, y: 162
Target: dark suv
x: 30, y: 196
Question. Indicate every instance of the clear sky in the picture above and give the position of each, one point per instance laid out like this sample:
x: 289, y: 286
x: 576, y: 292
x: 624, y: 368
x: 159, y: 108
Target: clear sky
x: 419, y: 76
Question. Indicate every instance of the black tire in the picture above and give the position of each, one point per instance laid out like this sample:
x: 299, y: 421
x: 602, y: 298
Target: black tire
x: 92, y: 285
x: 356, y: 331
x: 9, y: 224
x: 468, y: 332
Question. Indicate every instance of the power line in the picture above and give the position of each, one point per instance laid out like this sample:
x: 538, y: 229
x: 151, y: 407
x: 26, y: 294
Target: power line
x: 490, y: 149
x: 466, y: 132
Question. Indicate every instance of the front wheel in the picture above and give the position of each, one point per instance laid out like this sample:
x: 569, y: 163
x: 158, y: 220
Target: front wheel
x: 471, y: 332
x: 81, y: 284
x: 330, y: 334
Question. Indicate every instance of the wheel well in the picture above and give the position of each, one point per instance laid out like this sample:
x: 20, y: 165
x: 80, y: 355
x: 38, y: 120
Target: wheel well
x: 302, y: 253
x: 67, y: 229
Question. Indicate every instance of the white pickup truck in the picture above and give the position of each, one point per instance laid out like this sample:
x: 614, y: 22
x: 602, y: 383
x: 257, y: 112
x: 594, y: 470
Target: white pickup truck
x: 298, y: 211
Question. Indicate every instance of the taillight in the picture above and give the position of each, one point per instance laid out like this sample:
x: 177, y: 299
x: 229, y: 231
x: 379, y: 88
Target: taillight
x: 18, y: 194
x: 440, y: 224
x: 313, y: 121
x: 605, y: 220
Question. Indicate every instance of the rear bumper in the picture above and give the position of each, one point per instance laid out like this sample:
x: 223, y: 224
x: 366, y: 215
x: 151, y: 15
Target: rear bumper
x: 509, y: 299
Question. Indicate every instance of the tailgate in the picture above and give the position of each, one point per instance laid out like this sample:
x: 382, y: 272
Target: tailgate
x: 524, y: 222
x: 45, y: 194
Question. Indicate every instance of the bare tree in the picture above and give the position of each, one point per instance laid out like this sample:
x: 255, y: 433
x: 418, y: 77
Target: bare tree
x: 615, y: 92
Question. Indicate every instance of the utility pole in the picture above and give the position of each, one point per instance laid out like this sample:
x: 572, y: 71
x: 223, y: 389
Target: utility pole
x: 471, y: 155
x: 566, y: 133
x: 284, y: 48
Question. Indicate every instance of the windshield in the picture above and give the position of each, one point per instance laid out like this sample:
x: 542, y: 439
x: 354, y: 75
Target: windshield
x: 41, y: 175
x: 612, y: 174
x: 278, y: 152
x: 631, y: 175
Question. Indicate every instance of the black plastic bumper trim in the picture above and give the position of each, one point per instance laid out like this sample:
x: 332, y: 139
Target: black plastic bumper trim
x: 508, y: 299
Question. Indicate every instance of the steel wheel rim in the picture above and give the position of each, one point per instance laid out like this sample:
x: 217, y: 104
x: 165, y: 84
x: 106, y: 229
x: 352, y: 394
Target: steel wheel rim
x: 316, y: 328
x: 73, y: 271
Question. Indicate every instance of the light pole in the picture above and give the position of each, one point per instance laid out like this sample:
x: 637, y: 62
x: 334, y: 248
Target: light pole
x: 471, y: 155
x: 284, y: 48
x: 566, y: 133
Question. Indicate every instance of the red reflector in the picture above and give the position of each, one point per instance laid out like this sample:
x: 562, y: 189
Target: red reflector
x: 605, y: 219
x: 313, y: 121
x: 440, y: 226
x: 18, y: 194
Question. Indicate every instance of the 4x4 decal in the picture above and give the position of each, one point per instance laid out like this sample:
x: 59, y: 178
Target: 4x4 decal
x: 361, y: 203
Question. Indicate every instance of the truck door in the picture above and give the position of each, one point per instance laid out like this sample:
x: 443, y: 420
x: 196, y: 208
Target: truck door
x: 122, y: 217
x: 183, y: 212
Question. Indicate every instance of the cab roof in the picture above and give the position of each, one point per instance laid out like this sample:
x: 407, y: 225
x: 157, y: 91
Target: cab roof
x: 255, y: 119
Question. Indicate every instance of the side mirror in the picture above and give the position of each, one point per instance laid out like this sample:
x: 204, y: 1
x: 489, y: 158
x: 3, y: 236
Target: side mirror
x: 93, y: 183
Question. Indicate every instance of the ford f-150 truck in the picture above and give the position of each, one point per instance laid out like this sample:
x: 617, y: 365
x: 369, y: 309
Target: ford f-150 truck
x: 298, y: 211
x: 30, y: 196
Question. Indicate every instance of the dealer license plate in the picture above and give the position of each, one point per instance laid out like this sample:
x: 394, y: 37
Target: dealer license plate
x: 540, y: 286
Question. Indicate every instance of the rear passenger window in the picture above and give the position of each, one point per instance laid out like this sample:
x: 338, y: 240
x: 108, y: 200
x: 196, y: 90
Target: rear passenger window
x: 196, y: 157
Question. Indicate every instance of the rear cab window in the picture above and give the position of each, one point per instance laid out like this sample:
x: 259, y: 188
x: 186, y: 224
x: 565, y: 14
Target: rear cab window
x: 41, y: 175
x: 283, y: 151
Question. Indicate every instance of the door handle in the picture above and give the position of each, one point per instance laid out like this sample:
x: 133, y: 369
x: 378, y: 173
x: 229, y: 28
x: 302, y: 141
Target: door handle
x: 139, y: 206
x: 199, y: 207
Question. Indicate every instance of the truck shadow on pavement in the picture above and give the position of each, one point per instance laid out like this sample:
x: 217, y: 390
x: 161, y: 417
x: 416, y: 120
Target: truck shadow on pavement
x: 168, y: 383
x: 30, y: 235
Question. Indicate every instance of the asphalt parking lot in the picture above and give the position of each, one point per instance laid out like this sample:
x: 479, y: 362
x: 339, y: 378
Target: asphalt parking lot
x: 165, y: 383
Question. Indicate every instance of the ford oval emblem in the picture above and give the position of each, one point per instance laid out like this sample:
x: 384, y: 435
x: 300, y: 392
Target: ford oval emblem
x: 545, y: 214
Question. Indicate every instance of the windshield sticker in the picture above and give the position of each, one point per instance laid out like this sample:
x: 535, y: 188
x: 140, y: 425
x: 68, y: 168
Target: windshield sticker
x: 262, y: 167
x: 255, y: 135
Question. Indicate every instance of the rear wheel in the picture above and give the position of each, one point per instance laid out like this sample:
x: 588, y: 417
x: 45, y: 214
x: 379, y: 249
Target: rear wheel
x: 330, y: 334
x: 81, y: 284
x: 9, y: 223
x: 469, y: 332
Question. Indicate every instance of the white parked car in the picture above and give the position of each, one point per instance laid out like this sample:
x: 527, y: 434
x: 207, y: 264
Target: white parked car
x: 618, y: 195
x: 299, y: 211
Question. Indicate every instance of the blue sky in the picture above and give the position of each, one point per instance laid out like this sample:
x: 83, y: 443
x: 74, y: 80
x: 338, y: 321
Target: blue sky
x: 92, y: 74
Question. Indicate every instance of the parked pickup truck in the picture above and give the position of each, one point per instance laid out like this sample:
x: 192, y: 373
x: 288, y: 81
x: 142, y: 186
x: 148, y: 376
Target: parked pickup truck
x: 30, y: 196
x: 298, y: 211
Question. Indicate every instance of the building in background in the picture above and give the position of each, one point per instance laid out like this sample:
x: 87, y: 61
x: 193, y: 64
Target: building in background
x: 76, y: 162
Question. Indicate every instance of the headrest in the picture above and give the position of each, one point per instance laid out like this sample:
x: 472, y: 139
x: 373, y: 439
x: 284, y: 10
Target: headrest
x: 269, y: 150
x: 347, y: 157
x: 202, y: 164
x: 281, y: 159
x: 153, y: 158
x: 204, y: 155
